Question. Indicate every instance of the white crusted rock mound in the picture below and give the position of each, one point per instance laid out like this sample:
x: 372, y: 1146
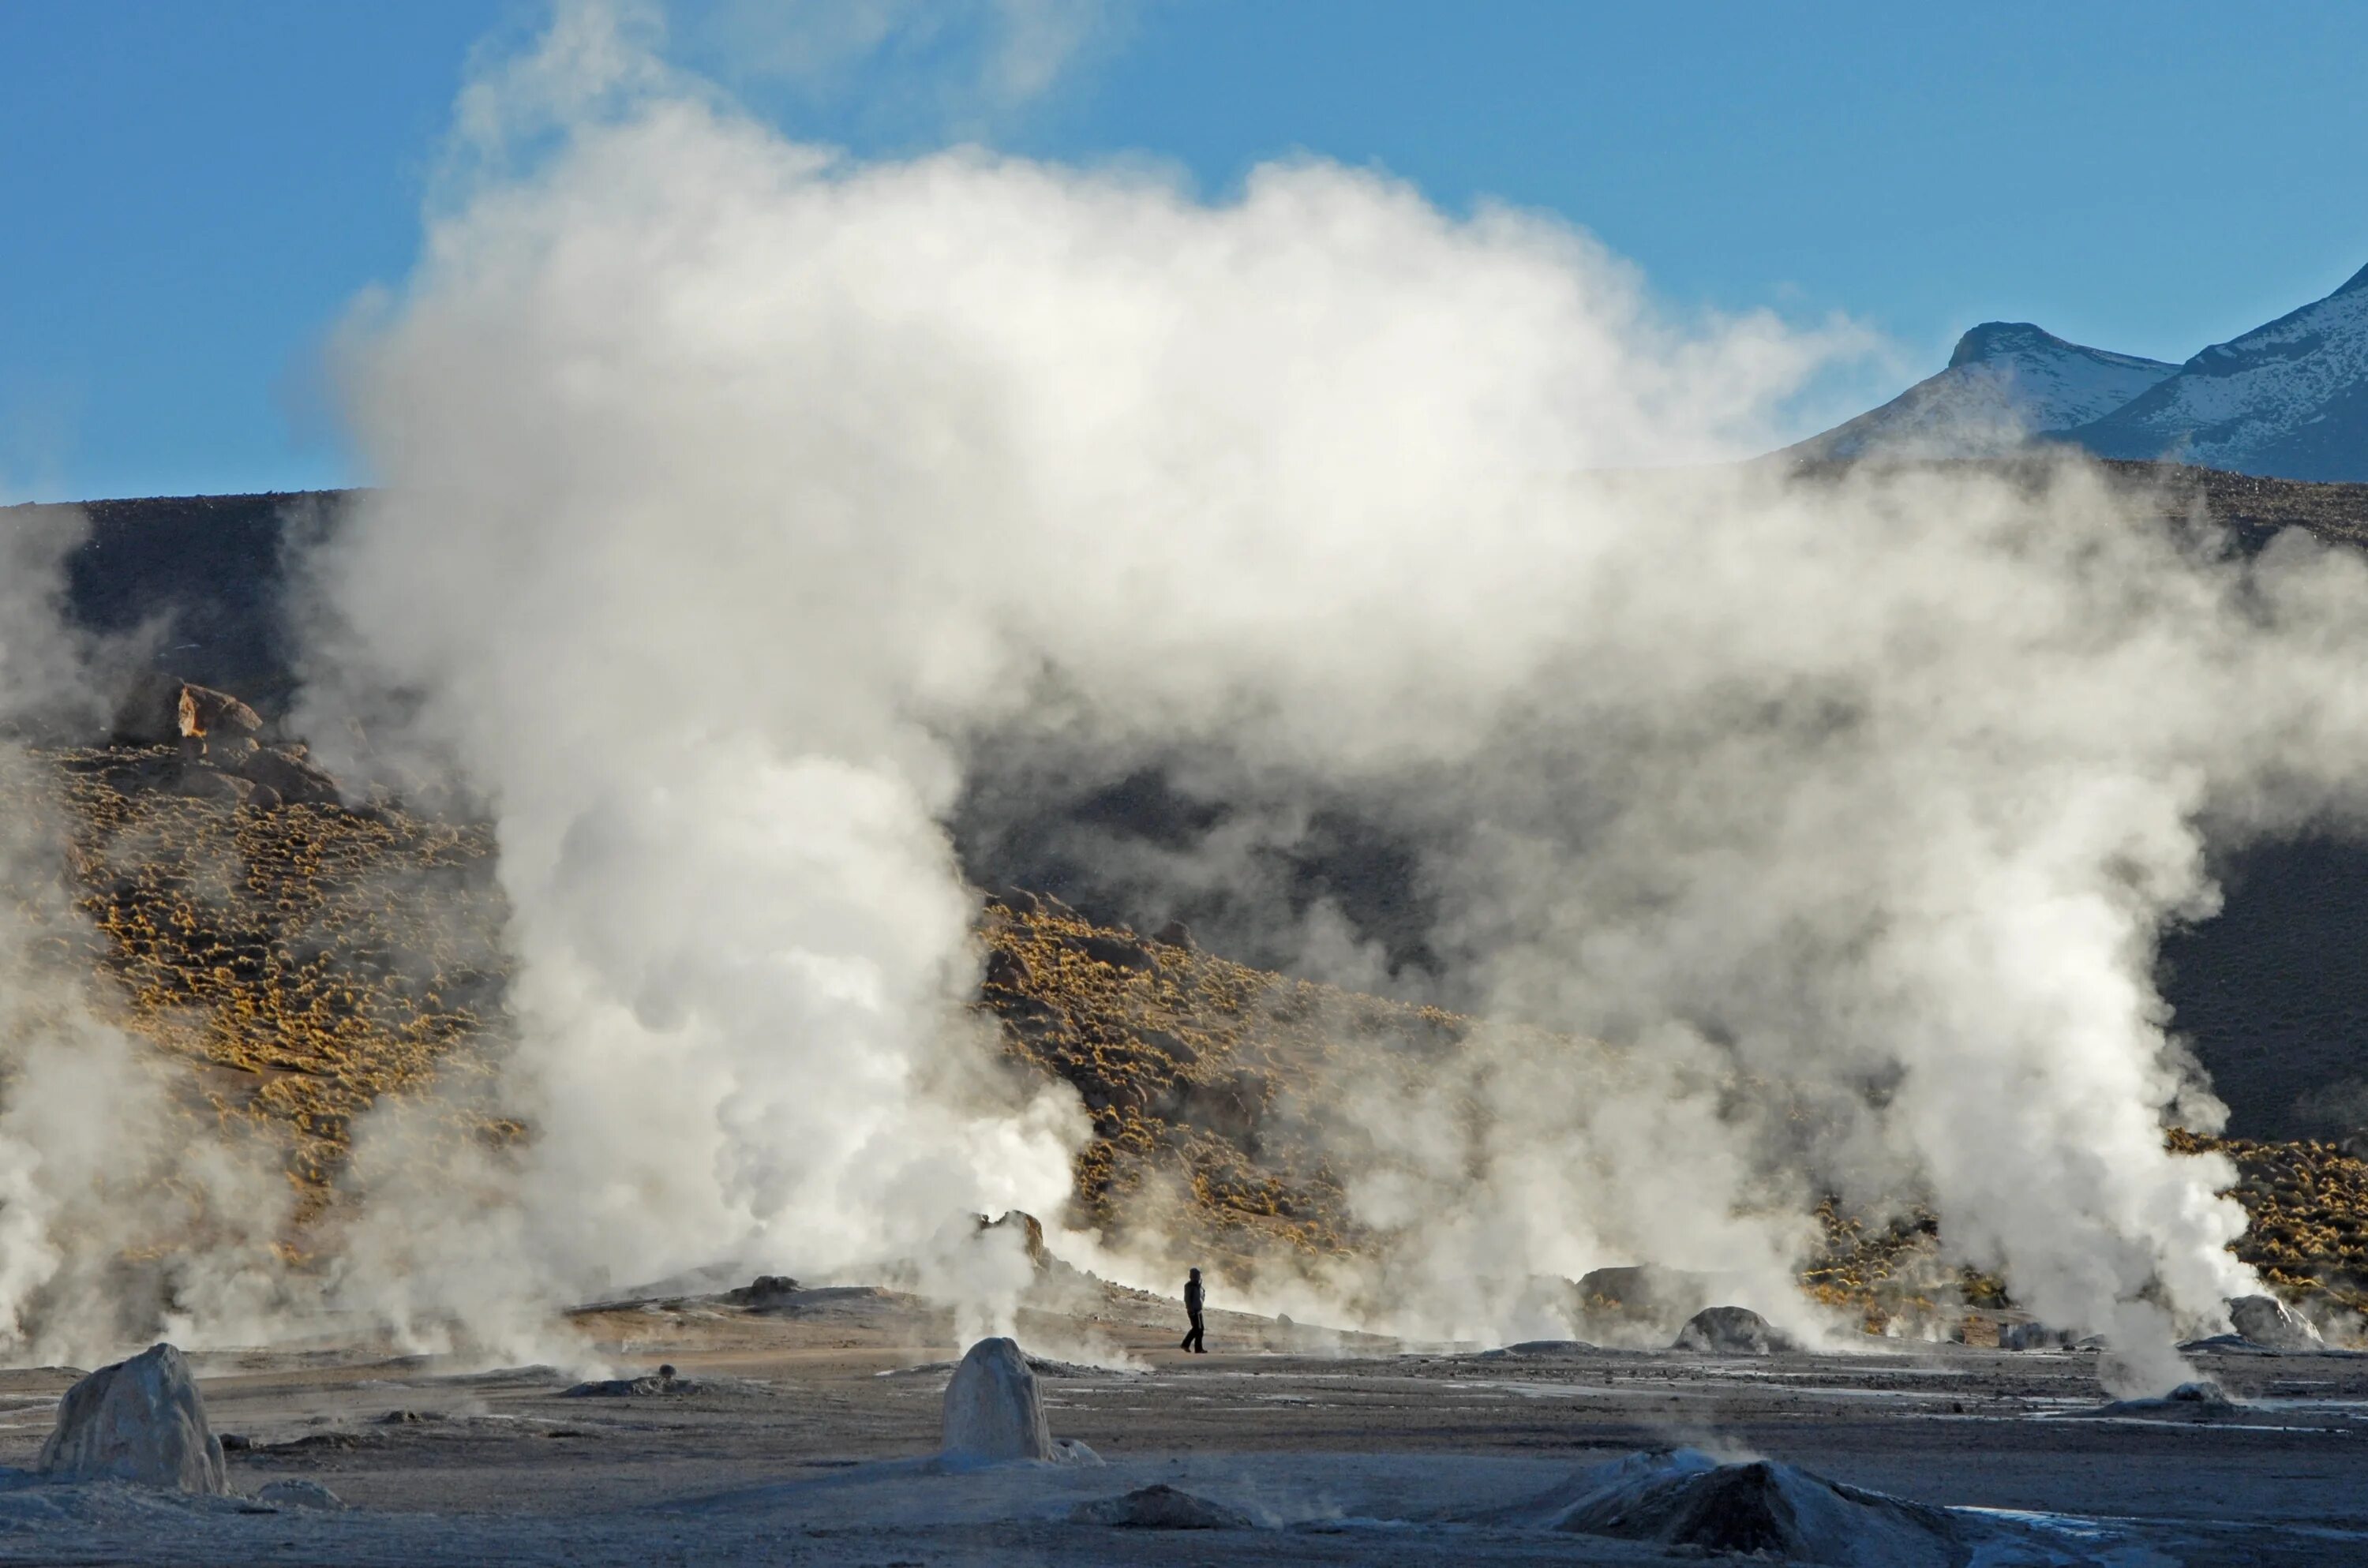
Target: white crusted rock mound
x: 1690, y: 1503
x: 141, y: 1421
x: 993, y: 1411
x: 2266, y: 1321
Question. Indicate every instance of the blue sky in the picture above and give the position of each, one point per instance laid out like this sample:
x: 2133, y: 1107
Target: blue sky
x: 191, y: 194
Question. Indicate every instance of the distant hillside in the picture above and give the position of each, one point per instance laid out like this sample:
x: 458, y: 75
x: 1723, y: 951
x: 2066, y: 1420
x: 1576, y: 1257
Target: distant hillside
x: 2289, y: 399
x: 304, y: 963
x: 2274, y: 994
x: 2007, y: 383
x: 209, y: 572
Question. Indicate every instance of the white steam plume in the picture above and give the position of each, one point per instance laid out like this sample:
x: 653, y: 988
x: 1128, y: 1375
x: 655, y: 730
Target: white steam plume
x: 731, y: 493
x: 123, y: 1212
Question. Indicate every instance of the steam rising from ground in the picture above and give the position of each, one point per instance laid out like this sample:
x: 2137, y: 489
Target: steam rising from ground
x: 736, y: 500
x: 120, y: 1214
x: 734, y: 493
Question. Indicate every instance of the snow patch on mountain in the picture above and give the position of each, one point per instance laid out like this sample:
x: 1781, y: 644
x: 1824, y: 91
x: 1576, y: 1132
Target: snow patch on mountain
x: 2007, y: 383
x: 2288, y: 400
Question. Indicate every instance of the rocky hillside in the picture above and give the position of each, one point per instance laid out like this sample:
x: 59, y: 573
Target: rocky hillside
x: 304, y: 961
x: 2272, y: 993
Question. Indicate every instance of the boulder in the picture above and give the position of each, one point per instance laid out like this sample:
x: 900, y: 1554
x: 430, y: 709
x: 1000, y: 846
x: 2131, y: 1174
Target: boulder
x: 141, y: 1421
x: 993, y: 1411
x: 2268, y: 1322
x: 232, y: 753
x: 1159, y: 1508
x: 201, y: 714
x: 1730, y: 1331
x: 1175, y: 934
x: 147, y: 711
x: 200, y: 782
x: 287, y: 774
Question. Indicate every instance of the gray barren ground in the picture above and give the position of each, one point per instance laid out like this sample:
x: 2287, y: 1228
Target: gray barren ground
x: 808, y: 1427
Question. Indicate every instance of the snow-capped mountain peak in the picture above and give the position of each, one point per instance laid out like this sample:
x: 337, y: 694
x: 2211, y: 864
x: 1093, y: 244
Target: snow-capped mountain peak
x: 2289, y: 399
x: 2006, y: 383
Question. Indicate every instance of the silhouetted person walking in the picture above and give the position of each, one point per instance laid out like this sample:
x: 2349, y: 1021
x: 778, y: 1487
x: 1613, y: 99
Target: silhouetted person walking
x: 1192, y: 1308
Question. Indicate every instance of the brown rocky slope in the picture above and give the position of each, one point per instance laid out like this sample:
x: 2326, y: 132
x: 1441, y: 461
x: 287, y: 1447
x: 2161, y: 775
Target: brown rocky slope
x: 305, y: 960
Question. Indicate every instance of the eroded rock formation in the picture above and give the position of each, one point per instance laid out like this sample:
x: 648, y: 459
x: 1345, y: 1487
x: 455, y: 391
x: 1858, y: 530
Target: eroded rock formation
x: 141, y: 1421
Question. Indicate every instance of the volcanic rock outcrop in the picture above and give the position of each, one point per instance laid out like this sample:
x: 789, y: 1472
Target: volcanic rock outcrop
x: 201, y: 715
x: 1027, y: 1227
x: 993, y: 1412
x: 141, y: 1421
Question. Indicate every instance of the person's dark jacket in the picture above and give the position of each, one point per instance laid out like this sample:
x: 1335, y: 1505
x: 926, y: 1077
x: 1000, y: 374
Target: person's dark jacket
x: 1192, y: 1297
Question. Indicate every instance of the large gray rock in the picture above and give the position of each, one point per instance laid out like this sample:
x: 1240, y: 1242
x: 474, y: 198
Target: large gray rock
x: 1730, y: 1331
x: 141, y: 1421
x: 2266, y: 1321
x: 992, y: 1408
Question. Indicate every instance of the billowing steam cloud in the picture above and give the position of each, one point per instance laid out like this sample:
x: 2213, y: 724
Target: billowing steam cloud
x: 735, y: 497
x: 119, y: 1212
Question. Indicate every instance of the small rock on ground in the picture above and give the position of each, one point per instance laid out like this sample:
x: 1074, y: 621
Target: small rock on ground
x: 1160, y: 1508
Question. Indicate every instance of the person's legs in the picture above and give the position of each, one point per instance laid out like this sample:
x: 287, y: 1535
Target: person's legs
x: 1193, y: 1339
